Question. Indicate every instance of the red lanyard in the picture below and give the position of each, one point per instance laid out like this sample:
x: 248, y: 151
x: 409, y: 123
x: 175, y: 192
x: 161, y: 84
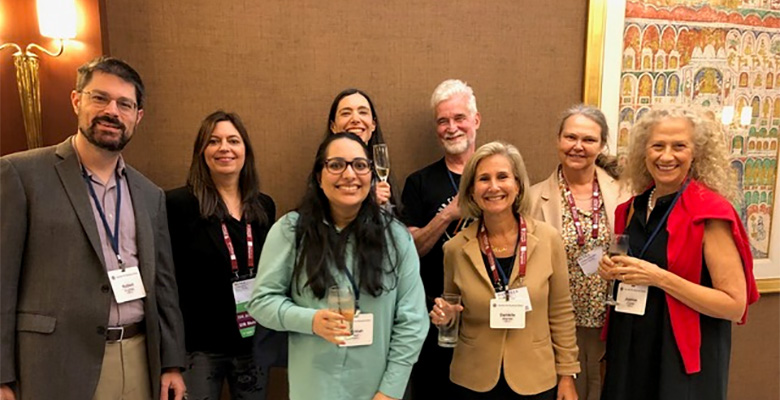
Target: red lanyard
x: 250, y: 257
x: 575, y: 215
x: 522, y: 244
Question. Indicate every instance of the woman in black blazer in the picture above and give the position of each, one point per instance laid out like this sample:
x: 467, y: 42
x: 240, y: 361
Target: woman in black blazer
x: 218, y: 224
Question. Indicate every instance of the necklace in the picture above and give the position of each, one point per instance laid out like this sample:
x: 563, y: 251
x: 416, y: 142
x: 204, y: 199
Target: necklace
x: 650, y: 200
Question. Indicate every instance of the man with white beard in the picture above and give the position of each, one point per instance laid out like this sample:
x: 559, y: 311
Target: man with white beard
x: 430, y: 199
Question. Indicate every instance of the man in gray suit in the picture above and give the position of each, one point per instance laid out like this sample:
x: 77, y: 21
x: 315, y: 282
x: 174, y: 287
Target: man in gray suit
x: 88, y: 298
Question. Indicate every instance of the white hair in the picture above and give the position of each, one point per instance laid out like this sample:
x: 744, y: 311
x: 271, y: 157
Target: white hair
x: 453, y: 87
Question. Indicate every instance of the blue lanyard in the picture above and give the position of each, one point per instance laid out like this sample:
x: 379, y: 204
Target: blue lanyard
x: 355, y: 288
x: 113, y: 239
x: 504, y: 278
x: 663, y: 220
x: 452, y: 180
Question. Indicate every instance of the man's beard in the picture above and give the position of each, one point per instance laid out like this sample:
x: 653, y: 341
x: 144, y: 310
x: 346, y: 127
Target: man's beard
x: 115, y: 146
x: 457, y: 148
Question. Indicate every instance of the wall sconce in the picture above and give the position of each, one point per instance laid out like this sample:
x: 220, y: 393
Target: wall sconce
x: 57, y: 20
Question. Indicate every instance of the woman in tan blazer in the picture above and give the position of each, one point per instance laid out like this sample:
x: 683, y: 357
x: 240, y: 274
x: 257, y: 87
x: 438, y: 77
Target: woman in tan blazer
x: 507, y: 249
x: 583, y: 188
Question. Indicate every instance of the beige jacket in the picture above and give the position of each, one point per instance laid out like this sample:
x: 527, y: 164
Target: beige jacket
x: 546, y: 198
x: 532, y: 358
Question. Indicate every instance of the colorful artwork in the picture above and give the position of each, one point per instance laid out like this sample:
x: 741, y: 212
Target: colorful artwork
x: 715, y: 54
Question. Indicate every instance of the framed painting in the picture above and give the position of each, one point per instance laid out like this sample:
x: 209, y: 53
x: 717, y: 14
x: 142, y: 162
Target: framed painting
x: 722, y: 55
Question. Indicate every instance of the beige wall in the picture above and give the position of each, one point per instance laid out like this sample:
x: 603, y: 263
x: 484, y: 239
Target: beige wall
x: 280, y: 63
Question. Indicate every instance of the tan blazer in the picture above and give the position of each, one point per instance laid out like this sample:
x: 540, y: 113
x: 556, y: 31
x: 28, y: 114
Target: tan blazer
x: 531, y: 357
x: 546, y: 198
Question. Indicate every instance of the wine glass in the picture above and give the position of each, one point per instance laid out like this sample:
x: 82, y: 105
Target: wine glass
x: 618, y: 246
x: 381, y: 162
x: 341, y: 300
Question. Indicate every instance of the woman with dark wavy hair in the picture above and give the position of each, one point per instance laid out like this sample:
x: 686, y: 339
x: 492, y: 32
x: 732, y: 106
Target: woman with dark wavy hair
x: 353, y: 111
x: 218, y: 224
x: 339, y: 236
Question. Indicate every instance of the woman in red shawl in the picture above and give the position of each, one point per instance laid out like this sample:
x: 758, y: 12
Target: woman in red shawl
x: 689, y: 272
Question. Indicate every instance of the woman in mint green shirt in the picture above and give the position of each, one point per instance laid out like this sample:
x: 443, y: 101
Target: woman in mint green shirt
x: 340, y: 236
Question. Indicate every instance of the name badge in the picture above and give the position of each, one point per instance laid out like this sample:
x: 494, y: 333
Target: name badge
x: 242, y: 293
x: 362, y: 331
x: 507, y: 314
x: 589, y: 262
x: 127, y: 285
x: 631, y: 299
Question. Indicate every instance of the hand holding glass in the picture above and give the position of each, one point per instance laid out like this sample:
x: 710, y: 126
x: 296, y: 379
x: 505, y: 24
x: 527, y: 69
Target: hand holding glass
x: 381, y: 162
x: 341, y: 300
x: 618, y: 246
x: 448, y: 333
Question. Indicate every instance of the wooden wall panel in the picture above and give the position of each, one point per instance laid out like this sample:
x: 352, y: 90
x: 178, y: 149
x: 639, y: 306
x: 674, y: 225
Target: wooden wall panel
x: 280, y: 63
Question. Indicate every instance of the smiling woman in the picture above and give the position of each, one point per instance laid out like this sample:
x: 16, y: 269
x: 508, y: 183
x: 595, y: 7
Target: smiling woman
x: 690, y: 262
x: 512, y: 261
x: 218, y: 224
x: 339, y: 236
x: 579, y: 200
x: 353, y: 111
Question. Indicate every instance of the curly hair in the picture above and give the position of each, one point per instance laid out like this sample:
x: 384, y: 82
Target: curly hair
x: 710, y: 164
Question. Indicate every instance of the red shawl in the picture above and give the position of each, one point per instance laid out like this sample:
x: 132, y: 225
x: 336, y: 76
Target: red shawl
x: 684, y: 254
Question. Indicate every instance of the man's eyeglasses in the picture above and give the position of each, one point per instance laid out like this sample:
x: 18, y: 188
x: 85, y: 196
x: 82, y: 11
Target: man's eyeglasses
x: 337, y: 165
x: 102, y: 100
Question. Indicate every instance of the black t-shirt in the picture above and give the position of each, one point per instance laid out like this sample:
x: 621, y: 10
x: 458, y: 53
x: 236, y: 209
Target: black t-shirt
x: 425, y: 194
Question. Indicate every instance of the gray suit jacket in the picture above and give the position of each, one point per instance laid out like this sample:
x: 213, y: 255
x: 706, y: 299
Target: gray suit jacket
x: 54, y: 289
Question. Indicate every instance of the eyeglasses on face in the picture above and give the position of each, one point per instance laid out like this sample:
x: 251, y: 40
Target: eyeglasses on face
x: 102, y: 100
x: 337, y: 165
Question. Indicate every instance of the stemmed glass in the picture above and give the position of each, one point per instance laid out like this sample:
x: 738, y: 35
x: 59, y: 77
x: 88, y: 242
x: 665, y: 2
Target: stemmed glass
x: 341, y: 300
x: 618, y: 246
x: 381, y: 161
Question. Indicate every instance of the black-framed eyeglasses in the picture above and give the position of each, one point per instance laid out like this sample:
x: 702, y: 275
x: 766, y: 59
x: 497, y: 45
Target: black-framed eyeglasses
x: 337, y: 165
x: 102, y: 100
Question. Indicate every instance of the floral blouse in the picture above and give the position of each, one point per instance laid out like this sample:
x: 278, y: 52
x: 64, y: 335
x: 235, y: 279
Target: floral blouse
x: 587, y: 291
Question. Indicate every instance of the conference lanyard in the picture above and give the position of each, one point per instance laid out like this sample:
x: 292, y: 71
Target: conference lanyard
x: 113, y: 239
x: 250, y: 257
x: 452, y: 180
x: 355, y: 288
x: 663, y: 220
x: 522, y: 244
x: 575, y: 215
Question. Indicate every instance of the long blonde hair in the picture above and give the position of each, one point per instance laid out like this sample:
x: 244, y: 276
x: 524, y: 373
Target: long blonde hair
x: 710, y: 164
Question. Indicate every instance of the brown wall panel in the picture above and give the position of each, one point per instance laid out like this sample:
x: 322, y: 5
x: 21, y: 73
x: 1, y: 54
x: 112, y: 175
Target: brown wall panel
x: 57, y: 75
x: 755, y: 353
x: 280, y: 63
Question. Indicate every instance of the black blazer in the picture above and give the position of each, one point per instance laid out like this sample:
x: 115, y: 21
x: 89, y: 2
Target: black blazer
x: 204, y: 275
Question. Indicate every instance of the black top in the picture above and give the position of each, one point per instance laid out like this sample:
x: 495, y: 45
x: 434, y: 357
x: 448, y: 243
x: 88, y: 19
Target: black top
x: 427, y: 192
x: 204, y: 275
x: 643, y: 361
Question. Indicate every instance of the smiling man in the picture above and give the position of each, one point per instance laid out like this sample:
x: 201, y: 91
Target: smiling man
x: 89, y: 301
x: 430, y: 199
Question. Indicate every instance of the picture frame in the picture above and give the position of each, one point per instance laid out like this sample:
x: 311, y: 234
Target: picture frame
x: 601, y: 87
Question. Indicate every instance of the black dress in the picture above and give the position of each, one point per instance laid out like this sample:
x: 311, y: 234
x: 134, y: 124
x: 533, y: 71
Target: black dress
x: 643, y: 361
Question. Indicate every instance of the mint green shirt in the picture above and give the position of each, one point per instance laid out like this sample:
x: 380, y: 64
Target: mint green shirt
x: 319, y: 369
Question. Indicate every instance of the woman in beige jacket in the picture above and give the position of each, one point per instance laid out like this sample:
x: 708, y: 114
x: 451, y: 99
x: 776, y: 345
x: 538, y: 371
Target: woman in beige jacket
x: 579, y: 200
x: 517, y: 333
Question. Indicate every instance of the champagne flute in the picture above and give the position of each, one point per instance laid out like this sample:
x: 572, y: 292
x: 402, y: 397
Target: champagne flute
x: 341, y: 300
x: 618, y: 246
x: 381, y: 161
